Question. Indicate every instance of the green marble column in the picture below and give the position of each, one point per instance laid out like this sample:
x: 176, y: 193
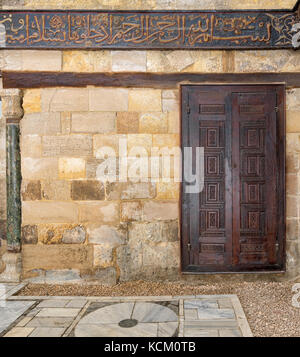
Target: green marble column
x: 13, y: 185
x: 12, y: 114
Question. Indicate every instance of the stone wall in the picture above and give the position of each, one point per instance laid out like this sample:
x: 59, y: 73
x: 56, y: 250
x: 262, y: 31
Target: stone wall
x: 76, y: 227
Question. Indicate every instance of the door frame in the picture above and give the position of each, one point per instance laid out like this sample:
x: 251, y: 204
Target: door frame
x: 281, y: 125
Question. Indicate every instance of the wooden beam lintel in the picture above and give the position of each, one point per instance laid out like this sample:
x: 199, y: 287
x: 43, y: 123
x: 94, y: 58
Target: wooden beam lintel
x: 22, y: 80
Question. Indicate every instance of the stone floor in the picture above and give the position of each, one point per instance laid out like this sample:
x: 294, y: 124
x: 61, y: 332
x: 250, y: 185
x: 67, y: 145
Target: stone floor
x: 152, y: 316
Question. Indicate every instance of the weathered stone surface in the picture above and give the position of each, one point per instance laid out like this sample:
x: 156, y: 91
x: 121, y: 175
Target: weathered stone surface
x: 292, y: 99
x: 35, y: 169
x: 74, y: 236
x: 32, y: 100
x: 65, y: 99
x: 180, y: 59
x: 41, y: 60
x: 292, y: 228
x: 168, y: 190
x: 129, y: 191
x: 292, y: 121
x: 165, y: 140
x: 91, y: 167
x: 10, y: 60
x: 87, y: 61
x: 55, y: 257
x: 103, y: 255
x: 87, y: 190
x: 108, y: 235
x: 65, y: 123
x: 106, y: 276
x: 153, y: 232
x: 41, y: 124
x: 67, y: 145
x: 127, y: 122
x: 131, y: 211
x: 160, y: 210
x: 163, y: 255
x: 29, y: 234
x: 71, y: 168
x: 102, y: 212
x: 292, y: 206
x: 34, y: 212
x: 93, y: 122
x: 108, y: 99
x: 141, y: 100
x: 31, y: 146
x: 206, y: 62
x: 31, y: 190
x: 292, y: 142
x: 126, y: 61
x: 136, y: 141
x: 153, y: 123
x: 106, y: 140
x: 56, y: 190
x: 53, y: 233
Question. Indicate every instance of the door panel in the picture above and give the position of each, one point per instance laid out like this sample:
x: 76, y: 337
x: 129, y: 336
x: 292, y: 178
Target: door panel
x: 236, y: 223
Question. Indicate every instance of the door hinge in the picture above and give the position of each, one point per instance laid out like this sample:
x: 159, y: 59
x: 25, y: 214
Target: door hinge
x: 189, y: 247
x: 188, y: 109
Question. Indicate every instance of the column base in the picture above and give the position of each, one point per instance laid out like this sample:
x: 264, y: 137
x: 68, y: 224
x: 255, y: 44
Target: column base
x: 13, y: 268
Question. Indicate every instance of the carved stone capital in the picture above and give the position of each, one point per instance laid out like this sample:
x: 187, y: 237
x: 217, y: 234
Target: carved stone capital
x: 12, y: 109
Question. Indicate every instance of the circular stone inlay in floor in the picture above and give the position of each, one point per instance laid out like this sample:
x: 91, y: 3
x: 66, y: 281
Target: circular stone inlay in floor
x: 140, y: 319
x: 128, y: 323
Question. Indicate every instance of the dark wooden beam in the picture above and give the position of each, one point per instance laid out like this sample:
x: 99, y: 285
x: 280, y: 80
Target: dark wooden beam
x: 12, y: 79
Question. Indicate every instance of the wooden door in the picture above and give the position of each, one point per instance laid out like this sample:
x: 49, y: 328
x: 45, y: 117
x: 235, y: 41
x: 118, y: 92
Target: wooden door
x: 236, y: 223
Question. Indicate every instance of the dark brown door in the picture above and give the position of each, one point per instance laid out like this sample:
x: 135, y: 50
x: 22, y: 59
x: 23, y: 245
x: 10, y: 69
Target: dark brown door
x: 236, y: 223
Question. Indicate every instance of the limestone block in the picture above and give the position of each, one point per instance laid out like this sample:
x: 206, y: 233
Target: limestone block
x: 168, y: 190
x: 74, y: 236
x: 174, y: 122
x: 13, y: 267
x: 153, y: 232
x: 111, y: 141
x: 87, y: 190
x: 56, y: 190
x: 31, y: 146
x: 108, y: 99
x: 106, y: 276
x: 32, y: 101
x: 67, y: 145
x: 205, y: 62
x: 40, y: 124
x: 160, y: 210
x: 292, y: 228
x: 62, y: 276
x: 163, y: 255
x: 293, y: 99
x: 54, y: 233
x: 292, y: 206
x: 102, y: 255
x: 101, y: 60
x: 292, y: 121
x: 77, y: 61
x: 39, y: 60
x: 71, y: 168
x: 292, y: 142
x: 131, y: 211
x: 93, y: 122
x: 179, y: 59
x: 10, y: 60
x: 35, y: 169
x: 141, y: 100
x: 166, y: 140
x: 153, y: 123
x: 31, y: 190
x: 127, y: 61
x: 105, y: 234
x: 292, y: 162
x: 34, y: 212
x: 157, y: 61
x: 65, y: 99
x: 127, y: 122
x: 102, y: 212
x: 57, y: 256
x: 29, y: 234
x: 129, y: 191
x: 136, y: 141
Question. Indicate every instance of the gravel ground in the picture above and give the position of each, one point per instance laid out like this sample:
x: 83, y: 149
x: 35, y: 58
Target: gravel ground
x: 268, y: 306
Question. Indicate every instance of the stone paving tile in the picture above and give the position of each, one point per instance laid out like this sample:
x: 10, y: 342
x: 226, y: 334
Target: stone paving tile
x: 167, y: 329
x: 50, y: 322
x: 47, y: 332
x: 211, y: 324
x: 11, y: 311
x: 149, y: 312
x: 191, y: 314
x: 24, y: 321
x: 58, y: 312
x: 109, y: 314
x: 209, y: 314
x: 225, y: 304
x: 19, y: 332
x: 76, y: 303
x: 200, y: 333
x: 207, y: 304
x: 53, y: 303
x: 230, y: 333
